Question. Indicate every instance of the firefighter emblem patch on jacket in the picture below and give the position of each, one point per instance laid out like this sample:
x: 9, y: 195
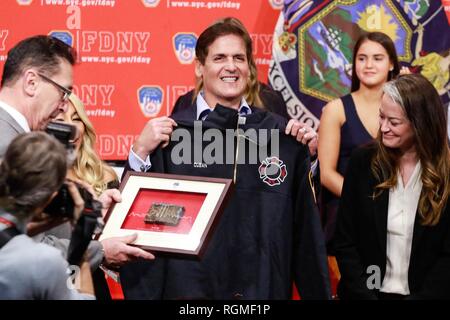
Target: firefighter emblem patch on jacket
x: 272, y: 171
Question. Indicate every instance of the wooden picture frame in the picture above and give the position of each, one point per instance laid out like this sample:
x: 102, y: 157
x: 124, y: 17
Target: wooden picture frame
x: 169, y: 213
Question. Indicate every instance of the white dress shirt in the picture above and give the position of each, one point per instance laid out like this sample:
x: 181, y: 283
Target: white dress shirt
x: 202, y: 105
x: 403, y: 202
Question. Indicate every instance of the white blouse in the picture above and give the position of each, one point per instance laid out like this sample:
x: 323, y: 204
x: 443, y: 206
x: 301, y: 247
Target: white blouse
x: 403, y: 201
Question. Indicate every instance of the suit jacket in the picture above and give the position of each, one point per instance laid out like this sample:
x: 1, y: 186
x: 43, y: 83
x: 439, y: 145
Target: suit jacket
x: 9, y: 129
x: 361, y: 235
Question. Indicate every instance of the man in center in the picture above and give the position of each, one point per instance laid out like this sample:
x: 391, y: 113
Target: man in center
x: 269, y: 235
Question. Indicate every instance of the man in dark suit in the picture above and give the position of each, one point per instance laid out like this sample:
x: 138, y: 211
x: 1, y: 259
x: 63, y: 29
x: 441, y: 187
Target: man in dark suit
x: 269, y: 233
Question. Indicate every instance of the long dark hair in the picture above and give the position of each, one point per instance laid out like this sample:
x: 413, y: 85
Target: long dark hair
x: 423, y: 108
x: 386, y: 43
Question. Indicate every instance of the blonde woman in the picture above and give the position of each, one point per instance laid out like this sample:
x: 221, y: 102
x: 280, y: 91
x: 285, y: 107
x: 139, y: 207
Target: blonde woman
x: 88, y: 166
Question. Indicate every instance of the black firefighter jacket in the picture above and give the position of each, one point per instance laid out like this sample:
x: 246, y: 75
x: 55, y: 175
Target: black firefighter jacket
x: 268, y: 237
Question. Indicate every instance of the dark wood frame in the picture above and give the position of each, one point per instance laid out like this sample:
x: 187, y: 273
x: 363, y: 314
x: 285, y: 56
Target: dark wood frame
x: 118, y: 212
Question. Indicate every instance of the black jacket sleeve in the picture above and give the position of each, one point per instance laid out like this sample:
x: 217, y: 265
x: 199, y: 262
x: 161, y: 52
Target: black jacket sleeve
x: 436, y: 284
x: 353, y: 283
x: 309, y: 258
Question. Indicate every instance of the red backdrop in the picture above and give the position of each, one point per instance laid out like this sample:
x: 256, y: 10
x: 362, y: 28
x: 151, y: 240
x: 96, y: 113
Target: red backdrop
x: 128, y: 47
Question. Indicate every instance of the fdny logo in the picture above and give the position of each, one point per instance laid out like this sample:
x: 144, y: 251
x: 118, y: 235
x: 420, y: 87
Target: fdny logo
x: 64, y: 36
x: 272, y: 171
x: 150, y: 3
x: 184, y: 46
x: 276, y: 4
x: 150, y: 100
x: 24, y: 2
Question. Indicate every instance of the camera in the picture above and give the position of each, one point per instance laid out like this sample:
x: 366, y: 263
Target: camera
x: 63, y: 132
x: 62, y: 205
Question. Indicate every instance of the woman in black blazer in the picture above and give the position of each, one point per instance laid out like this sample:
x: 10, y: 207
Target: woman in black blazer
x: 392, y: 237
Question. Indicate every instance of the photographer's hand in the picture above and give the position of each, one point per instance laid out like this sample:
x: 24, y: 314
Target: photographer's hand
x: 118, y: 251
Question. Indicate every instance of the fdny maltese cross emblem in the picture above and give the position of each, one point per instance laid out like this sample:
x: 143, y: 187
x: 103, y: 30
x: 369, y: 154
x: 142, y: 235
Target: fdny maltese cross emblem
x: 272, y: 171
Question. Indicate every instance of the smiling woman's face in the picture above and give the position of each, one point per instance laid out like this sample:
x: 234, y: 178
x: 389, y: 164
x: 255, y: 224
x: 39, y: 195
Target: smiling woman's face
x: 372, y: 64
x: 396, y: 129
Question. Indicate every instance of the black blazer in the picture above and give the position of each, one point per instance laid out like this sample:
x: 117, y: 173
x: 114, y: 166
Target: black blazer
x: 360, y: 239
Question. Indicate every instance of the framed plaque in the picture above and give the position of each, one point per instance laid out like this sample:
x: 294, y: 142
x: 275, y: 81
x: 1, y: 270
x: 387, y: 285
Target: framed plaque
x: 169, y: 213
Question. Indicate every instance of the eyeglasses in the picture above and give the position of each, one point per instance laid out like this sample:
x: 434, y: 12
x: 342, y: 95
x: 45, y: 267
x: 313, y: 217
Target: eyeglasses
x: 66, y: 92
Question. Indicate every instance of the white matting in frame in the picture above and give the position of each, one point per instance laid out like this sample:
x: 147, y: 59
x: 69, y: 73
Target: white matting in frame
x: 202, y: 199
